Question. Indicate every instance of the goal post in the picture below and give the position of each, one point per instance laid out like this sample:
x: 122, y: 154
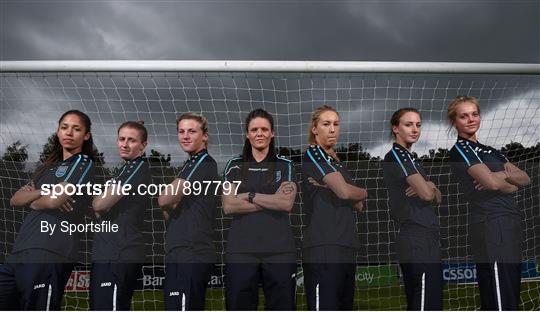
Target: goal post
x: 269, y: 66
x: 34, y: 94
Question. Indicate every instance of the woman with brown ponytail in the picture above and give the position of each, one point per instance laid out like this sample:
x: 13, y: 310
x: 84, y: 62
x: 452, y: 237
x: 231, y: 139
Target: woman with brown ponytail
x: 413, y: 200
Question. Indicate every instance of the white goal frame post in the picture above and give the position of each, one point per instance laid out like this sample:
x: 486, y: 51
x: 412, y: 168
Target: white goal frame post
x: 270, y: 66
x: 309, y: 68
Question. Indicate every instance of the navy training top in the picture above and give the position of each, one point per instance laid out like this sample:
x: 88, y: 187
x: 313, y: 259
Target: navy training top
x: 398, y: 164
x: 484, y: 204
x: 128, y: 213
x: 191, y: 224
x: 264, y: 231
x: 330, y: 220
x: 77, y: 170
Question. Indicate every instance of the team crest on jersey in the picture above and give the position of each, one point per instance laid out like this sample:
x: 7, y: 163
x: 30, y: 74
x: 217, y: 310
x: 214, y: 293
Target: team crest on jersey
x: 278, y: 175
x: 61, y: 171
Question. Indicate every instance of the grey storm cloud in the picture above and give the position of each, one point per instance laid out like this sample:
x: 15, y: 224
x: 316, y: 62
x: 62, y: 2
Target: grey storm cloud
x: 443, y: 31
x: 470, y: 31
x: 32, y: 104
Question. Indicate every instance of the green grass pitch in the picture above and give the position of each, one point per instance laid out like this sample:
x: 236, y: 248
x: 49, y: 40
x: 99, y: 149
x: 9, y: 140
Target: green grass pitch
x: 456, y: 297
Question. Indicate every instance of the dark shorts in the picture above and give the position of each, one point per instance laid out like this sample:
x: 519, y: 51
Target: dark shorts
x: 112, y: 285
x: 33, y: 286
x: 496, y: 245
x: 186, y: 278
x: 329, y: 277
x: 276, y: 273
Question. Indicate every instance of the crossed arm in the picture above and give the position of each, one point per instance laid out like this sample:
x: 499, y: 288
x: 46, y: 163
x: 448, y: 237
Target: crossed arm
x: 506, y: 181
x: 425, y: 190
x: 172, y: 197
x: 281, y: 200
x: 343, y: 190
x: 103, y: 203
x: 28, y: 194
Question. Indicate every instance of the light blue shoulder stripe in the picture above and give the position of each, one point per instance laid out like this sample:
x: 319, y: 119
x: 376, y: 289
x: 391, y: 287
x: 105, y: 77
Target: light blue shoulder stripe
x: 90, y: 164
x: 313, y: 159
x: 73, y: 168
x: 135, y: 171
x: 462, y: 154
x: 196, y: 166
x: 327, y: 159
x: 228, y: 165
x: 283, y: 158
x: 399, y: 161
x: 412, y: 161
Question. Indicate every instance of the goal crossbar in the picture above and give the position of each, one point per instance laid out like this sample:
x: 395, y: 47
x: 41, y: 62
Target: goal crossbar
x: 267, y: 66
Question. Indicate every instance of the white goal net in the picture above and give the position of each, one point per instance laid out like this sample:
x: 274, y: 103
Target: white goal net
x: 34, y: 96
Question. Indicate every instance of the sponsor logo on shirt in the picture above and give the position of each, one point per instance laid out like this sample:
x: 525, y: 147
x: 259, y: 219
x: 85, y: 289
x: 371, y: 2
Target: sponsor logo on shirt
x: 61, y: 171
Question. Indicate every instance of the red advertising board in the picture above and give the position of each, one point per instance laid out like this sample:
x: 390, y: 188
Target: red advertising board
x: 78, y: 281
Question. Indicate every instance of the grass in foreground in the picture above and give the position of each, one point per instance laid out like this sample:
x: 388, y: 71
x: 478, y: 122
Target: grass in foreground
x: 456, y: 297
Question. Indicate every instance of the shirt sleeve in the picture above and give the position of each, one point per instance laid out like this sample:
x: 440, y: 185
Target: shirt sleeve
x: 500, y: 155
x: 464, y: 154
x: 317, y: 162
x: 80, y: 171
x: 400, y: 163
x: 286, y: 171
x: 232, y: 170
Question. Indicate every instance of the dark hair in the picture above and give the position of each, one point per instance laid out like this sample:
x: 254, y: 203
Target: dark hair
x: 246, y: 151
x: 57, y: 155
x: 137, y: 125
x: 396, y: 116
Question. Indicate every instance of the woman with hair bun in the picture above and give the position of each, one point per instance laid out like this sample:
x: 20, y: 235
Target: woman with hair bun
x: 488, y: 181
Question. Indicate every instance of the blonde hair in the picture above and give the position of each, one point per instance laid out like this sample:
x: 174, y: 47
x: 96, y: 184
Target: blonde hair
x: 452, y: 107
x: 203, y: 122
x: 315, y: 116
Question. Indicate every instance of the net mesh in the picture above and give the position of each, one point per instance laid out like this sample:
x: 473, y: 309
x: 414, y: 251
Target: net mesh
x: 31, y: 104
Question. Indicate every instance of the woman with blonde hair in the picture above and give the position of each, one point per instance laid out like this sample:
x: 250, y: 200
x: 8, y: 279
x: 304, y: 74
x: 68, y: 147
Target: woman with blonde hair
x: 330, y: 199
x: 190, y: 215
x: 488, y: 181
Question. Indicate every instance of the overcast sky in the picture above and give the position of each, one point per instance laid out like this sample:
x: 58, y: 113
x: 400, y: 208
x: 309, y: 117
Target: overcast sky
x: 443, y: 31
x: 385, y: 30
